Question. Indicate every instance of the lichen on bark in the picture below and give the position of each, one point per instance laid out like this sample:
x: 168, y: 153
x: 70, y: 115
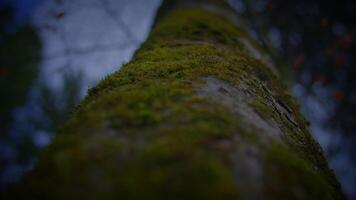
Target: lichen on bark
x: 193, y: 116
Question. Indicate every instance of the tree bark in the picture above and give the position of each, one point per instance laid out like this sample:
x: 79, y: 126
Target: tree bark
x: 199, y: 113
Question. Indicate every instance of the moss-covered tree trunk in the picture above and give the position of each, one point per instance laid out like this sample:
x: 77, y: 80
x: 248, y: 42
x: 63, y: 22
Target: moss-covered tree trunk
x: 199, y: 113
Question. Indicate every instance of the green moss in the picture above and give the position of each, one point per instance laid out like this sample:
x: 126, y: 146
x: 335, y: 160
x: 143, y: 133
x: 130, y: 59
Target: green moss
x: 145, y: 132
x: 270, y: 105
x: 163, y: 167
x: 262, y: 109
x: 74, y: 167
x: 193, y: 25
x: 291, y: 177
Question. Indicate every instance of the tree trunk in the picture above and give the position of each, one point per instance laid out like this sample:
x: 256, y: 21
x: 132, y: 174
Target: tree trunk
x: 199, y: 113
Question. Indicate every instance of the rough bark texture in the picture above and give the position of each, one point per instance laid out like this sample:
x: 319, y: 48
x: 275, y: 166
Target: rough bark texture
x: 196, y: 114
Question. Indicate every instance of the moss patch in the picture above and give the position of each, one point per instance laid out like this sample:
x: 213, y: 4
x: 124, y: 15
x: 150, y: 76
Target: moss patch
x: 290, y: 177
x: 154, y: 137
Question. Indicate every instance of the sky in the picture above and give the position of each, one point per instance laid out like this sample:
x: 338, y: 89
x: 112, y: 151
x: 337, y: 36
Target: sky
x: 88, y: 40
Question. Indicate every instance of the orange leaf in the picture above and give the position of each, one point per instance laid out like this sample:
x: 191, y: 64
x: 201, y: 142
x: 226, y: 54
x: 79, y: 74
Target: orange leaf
x: 338, y: 95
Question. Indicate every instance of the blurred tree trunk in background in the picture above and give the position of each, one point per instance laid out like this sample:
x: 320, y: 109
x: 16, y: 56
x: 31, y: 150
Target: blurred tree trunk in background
x: 20, y: 53
x: 18, y: 66
x: 199, y: 113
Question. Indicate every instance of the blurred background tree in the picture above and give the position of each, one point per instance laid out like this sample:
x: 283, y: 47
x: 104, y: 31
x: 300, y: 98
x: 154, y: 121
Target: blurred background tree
x: 20, y: 53
x: 19, y: 62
